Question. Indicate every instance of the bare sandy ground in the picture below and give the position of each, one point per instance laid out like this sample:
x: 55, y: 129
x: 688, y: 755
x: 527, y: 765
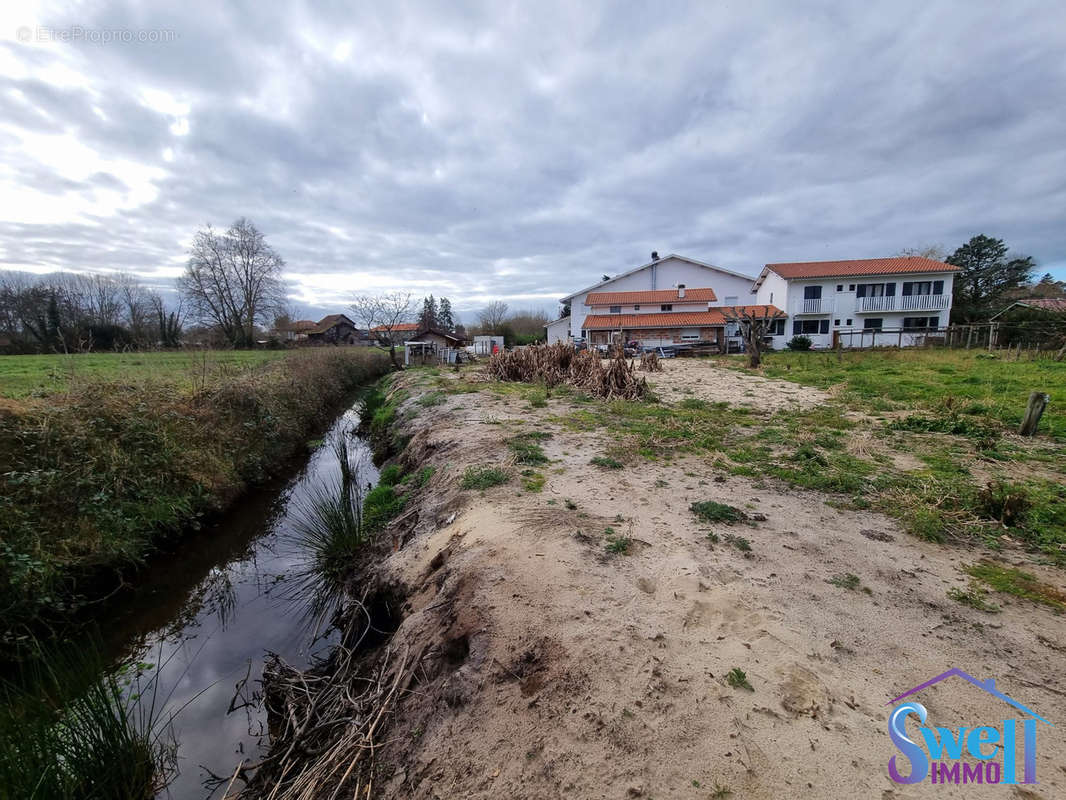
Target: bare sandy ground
x: 552, y: 669
x: 688, y: 377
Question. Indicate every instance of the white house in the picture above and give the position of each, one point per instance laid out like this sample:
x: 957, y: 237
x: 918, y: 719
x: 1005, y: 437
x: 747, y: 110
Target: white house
x: 677, y: 285
x: 872, y: 302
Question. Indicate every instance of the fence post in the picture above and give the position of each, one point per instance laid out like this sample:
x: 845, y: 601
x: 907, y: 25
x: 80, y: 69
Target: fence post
x: 1037, y: 403
x: 969, y: 338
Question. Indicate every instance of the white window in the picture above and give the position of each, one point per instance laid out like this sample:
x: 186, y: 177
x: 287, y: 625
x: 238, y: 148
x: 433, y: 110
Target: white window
x: 731, y: 300
x: 690, y: 335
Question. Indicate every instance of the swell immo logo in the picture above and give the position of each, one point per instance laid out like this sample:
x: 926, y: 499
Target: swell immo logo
x: 936, y: 754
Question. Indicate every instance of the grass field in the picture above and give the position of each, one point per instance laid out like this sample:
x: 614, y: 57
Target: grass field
x: 23, y: 376
x: 972, y: 382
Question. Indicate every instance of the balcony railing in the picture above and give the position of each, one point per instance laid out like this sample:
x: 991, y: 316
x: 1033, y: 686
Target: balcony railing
x: 914, y: 302
x: 923, y: 302
x: 821, y: 305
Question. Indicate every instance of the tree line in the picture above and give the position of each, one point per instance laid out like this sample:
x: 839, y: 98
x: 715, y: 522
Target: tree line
x: 64, y: 312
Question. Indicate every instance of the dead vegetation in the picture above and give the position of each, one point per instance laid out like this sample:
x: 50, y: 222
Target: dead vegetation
x: 555, y: 364
x: 649, y: 362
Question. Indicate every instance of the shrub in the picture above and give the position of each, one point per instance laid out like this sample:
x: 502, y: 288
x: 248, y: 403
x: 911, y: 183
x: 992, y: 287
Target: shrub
x: 799, y: 343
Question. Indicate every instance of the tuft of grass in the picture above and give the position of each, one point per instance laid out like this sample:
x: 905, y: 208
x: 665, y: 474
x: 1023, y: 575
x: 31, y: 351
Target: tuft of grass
x: 616, y: 544
x: 532, y: 481
x: 738, y: 679
x: 973, y: 596
x: 538, y: 399
x: 606, y: 462
x: 1013, y: 581
x: 68, y: 735
x: 431, y: 399
x: 711, y: 511
x: 527, y: 449
x: 483, y: 477
x: 739, y: 542
x: 846, y: 580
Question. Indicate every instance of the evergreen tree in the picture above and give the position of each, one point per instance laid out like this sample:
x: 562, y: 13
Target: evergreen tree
x: 429, y: 317
x: 444, y: 315
x: 986, y: 277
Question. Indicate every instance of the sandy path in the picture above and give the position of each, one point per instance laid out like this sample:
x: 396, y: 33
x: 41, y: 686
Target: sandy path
x: 558, y: 671
x: 699, y: 378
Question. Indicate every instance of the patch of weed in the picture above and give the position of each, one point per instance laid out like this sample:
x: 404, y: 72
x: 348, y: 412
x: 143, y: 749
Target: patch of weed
x: 738, y: 679
x: 711, y: 511
x: 483, y: 477
x: 606, y: 462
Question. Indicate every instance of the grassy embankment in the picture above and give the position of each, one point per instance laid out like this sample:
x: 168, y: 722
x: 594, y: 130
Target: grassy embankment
x: 923, y: 436
x: 100, y: 459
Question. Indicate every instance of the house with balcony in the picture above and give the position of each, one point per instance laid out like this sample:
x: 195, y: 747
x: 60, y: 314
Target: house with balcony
x: 663, y: 286
x: 875, y: 302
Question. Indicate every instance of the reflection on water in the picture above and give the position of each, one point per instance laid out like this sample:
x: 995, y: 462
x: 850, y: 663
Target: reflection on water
x: 210, y: 611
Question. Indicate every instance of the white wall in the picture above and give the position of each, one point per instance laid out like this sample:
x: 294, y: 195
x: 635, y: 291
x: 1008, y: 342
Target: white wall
x: 666, y: 273
x: 840, y: 307
x: 559, y: 330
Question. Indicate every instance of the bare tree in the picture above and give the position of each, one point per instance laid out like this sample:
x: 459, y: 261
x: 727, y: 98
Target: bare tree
x: 168, y: 322
x: 933, y: 251
x: 755, y: 325
x: 491, y: 317
x: 233, y: 280
x: 383, y: 313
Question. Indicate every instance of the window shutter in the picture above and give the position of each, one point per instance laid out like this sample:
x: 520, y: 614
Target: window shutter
x: 890, y: 290
x: 797, y: 327
x: 938, y: 287
x: 908, y: 286
x: 824, y: 326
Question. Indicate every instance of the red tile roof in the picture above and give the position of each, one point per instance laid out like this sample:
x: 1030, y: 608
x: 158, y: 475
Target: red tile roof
x: 652, y: 297
x: 867, y: 266
x: 1055, y: 304
x: 716, y: 317
x: 403, y: 326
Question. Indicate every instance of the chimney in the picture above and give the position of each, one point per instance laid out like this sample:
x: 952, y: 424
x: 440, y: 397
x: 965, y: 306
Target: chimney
x: 654, y: 255
x: 681, y: 291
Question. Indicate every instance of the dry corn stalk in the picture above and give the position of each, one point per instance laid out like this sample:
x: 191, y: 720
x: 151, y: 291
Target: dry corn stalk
x: 554, y: 364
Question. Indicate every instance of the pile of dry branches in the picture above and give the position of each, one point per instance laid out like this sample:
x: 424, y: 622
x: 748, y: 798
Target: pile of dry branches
x: 555, y: 364
x: 322, y: 725
x: 649, y: 362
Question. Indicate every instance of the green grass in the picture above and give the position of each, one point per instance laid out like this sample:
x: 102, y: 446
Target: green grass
x: 95, y: 478
x: 1016, y: 582
x: 711, y: 511
x: 42, y: 375
x: 527, y: 449
x: 992, y: 387
x: 845, y: 580
x: 67, y: 734
x: 484, y: 477
x: 616, y: 544
x: 532, y: 481
x: 606, y: 462
x: 973, y: 596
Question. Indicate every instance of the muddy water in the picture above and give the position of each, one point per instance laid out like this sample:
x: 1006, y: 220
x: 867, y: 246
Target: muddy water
x: 205, y: 616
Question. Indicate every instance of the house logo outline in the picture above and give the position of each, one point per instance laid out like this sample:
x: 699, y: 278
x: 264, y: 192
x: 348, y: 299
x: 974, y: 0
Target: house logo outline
x: 988, y: 686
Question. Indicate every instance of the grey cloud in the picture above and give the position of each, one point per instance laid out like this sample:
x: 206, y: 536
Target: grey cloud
x: 478, y: 150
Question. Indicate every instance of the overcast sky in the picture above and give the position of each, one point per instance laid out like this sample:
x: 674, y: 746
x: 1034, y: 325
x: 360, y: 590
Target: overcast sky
x: 520, y: 151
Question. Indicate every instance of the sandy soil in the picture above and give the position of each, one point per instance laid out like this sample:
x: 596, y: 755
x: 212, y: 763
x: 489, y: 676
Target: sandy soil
x: 688, y: 377
x: 553, y: 669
